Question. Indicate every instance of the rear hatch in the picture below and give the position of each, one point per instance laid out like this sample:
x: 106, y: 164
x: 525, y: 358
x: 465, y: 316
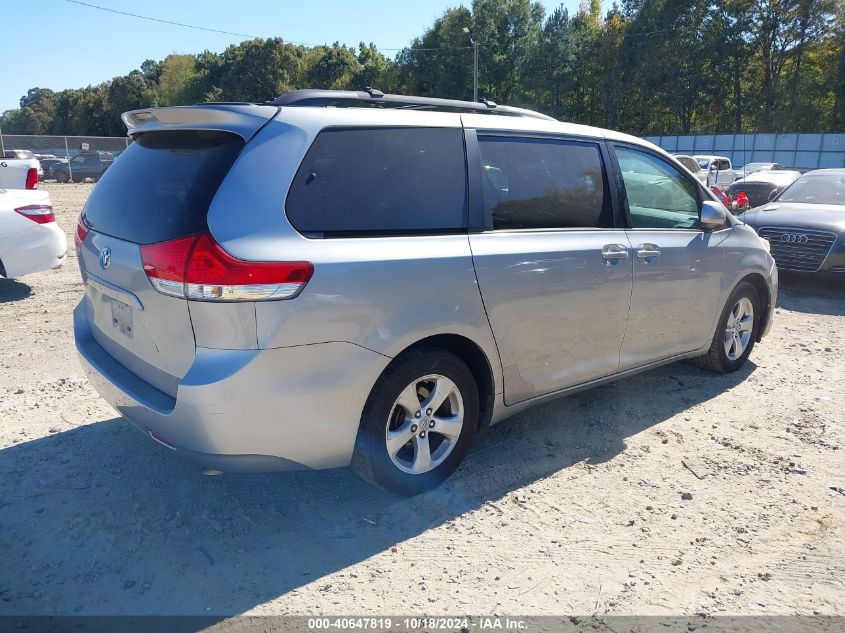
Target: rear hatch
x: 159, y: 191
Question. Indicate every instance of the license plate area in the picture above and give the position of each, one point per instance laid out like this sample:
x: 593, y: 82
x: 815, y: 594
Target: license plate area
x: 121, y: 317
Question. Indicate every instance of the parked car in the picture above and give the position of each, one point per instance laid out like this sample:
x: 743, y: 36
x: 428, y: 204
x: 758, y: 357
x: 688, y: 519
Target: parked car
x: 30, y: 239
x: 19, y: 169
x: 49, y: 164
x: 299, y: 286
x: 805, y: 224
x: 88, y: 164
x: 753, y: 168
x: 695, y: 169
x: 719, y: 170
x: 761, y: 186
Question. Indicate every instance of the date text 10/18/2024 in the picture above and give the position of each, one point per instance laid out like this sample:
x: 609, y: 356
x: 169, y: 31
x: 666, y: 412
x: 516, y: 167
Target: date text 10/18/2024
x: 492, y: 623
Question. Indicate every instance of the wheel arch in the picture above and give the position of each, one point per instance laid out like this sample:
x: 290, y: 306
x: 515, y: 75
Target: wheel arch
x: 479, y: 364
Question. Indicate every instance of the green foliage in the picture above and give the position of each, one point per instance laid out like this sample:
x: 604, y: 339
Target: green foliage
x: 335, y: 67
x: 176, y: 80
x: 645, y: 67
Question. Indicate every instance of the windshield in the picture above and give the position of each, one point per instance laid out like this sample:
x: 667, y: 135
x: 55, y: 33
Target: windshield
x: 819, y: 189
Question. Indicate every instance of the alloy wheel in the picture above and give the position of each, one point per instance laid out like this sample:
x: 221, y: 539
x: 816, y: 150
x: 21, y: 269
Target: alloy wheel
x: 739, y: 328
x: 424, y: 424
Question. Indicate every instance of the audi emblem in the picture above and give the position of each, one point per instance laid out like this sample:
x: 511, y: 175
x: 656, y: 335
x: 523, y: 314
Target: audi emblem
x: 794, y: 238
x: 105, y: 258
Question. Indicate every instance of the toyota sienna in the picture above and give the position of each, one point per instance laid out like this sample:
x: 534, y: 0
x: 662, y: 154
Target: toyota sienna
x: 335, y: 278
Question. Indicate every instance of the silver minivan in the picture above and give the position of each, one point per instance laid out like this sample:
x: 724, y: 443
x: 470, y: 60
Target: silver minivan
x: 336, y: 278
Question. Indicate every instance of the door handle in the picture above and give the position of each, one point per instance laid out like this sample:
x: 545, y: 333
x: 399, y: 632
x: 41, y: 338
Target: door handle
x: 614, y: 253
x: 648, y: 251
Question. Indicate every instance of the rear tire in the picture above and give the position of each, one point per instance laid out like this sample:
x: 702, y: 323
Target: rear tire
x: 736, y: 332
x: 405, y: 446
x: 62, y: 177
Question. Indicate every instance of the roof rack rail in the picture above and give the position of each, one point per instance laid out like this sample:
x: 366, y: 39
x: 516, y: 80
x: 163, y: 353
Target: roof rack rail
x: 373, y: 97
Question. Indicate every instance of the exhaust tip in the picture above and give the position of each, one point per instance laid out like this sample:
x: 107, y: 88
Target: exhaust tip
x: 211, y: 472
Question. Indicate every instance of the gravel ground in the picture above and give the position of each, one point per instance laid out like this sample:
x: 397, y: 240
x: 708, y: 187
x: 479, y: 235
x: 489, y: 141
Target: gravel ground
x: 577, y: 506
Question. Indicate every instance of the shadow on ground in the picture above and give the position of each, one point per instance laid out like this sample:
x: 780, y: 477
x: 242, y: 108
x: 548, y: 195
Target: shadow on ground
x: 812, y: 294
x: 100, y: 520
x: 13, y: 290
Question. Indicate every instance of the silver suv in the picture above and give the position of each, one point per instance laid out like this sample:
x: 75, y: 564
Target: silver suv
x: 291, y: 285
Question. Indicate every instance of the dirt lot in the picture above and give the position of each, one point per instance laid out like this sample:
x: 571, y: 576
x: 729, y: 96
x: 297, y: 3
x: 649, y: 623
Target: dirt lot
x: 574, y: 507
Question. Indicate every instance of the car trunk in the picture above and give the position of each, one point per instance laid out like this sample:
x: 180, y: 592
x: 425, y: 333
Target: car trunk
x: 159, y: 191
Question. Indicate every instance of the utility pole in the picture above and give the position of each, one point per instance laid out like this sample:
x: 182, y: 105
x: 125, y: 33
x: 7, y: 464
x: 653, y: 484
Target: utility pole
x: 475, y: 64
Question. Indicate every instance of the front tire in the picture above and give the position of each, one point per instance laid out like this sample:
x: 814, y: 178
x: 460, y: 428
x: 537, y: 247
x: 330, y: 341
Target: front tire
x: 418, y: 423
x: 736, y: 332
x: 62, y: 177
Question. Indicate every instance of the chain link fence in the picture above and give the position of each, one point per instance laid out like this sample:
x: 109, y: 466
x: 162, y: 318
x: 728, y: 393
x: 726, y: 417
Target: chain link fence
x: 58, y: 151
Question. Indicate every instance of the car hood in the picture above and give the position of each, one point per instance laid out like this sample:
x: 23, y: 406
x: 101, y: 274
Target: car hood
x: 815, y: 216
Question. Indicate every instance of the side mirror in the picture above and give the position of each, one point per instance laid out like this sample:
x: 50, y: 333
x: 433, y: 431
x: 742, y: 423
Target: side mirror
x: 713, y: 167
x: 713, y: 215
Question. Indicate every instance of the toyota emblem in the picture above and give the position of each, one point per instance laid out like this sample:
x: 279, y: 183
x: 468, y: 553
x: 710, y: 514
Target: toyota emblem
x: 794, y: 238
x: 105, y: 258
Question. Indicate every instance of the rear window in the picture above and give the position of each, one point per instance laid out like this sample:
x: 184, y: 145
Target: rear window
x: 689, y: 163
x: 162, y: 186
x: 386, y: 180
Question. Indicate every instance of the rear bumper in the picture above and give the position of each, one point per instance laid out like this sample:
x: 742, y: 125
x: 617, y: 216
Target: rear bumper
x: 39, y: 247
x: 246, y: 410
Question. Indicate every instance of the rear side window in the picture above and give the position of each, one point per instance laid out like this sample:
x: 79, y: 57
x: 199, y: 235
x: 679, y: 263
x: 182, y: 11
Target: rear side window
x: 544, y: 184
x: 162, y: 186
x: 385, y: 180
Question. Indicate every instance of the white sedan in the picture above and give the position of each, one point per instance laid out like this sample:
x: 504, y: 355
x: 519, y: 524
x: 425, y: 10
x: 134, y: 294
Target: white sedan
x: 30, y: 239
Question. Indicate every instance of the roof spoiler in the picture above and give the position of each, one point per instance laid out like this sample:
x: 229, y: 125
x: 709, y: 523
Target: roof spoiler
x: 241, y: 119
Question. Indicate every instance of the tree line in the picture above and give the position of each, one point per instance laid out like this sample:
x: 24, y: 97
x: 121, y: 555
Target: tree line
x: 647, y: 67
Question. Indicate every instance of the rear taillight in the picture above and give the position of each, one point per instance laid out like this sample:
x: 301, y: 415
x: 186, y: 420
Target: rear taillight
x: 38, y: 213
x: 32, y: 178
x: 81, y: 232
x: 198, y: 268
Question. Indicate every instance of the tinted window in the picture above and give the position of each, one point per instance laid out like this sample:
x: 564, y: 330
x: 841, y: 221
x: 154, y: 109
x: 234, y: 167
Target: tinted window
x: 544, y: 183
x: 162, y: 186
x: 389, y: 180
x: 659, y: 196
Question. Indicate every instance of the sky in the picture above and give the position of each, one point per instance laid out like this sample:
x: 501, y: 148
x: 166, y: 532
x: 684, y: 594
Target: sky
x: 68, y: 45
